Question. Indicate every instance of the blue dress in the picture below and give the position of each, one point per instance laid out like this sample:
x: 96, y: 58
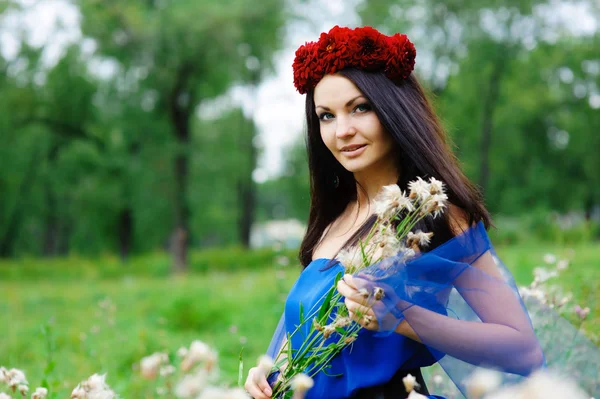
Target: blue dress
x: 371, y: 360
x: 443, y: 295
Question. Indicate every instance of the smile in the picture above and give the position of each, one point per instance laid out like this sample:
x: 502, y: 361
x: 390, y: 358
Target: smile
x: 354, y: 151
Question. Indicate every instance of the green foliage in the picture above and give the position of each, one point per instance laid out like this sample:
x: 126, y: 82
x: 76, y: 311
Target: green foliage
x: 153, y: 265
x: 541, y: 227
x: 288, y: 196
x: 88, y: 161
x: 96, y: 325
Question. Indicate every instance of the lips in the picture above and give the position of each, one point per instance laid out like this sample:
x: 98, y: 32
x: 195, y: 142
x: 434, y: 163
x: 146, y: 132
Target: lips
x: 354, y: 147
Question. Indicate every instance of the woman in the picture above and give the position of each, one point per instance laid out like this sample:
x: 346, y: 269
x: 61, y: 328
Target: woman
x: 370, y: 124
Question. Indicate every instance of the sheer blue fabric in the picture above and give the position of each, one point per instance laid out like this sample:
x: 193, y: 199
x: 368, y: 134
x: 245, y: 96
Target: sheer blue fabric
x: 462, y: 303
x: 370, y: 361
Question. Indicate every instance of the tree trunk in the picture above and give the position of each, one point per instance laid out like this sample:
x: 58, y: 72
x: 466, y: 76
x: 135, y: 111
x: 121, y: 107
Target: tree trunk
x: 51, y: 222
x: 125, y: 232
x: 180, y: 234
x: 181, y: 106
x: 247, y: 200
x: 51, y: 228
x: 9, y: 234
x: 487, y: 126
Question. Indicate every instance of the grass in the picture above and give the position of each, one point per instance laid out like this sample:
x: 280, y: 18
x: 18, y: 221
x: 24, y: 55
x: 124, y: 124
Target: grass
x: 67, y: 325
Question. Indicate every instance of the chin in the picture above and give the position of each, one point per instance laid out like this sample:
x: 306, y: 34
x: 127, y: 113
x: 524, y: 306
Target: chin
x: 355, y: 167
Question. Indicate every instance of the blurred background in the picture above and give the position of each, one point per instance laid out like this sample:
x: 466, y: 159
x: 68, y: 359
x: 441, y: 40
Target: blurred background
x: 139, y: 139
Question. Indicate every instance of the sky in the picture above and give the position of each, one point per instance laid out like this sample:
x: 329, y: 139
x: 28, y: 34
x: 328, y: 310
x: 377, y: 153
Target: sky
x: 276, y: 106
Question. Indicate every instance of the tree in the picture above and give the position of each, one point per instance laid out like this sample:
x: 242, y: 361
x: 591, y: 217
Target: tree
x: 185, y: 52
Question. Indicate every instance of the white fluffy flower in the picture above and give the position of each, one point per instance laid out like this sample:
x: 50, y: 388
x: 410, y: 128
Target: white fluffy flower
x: 542, y: 274
x: 419, y: 189
x: 181, y: 352
x: 390, y: 246
x: 435, y: 186
x: 95, y: 382
x: 191, y: 385
x: 438, y: 379
x: 23, y: 389
x: 212, y: 392
x: 4, y: 396
x: 391, y: 200
x: 419, y: 239
x: 167, y: 370
x: 150, y: 365
x: 416, y: 395
x: 40, y: 393
x: 94, y: 387
x: 3, y: 375
x: 265, y: 364
x: 199, y: 352
x: 15, y: 377
x: 550, y: 259
x: 436, y: 204
x: 410, y: 382
x: 237, y: 393
x: 541, y: 385
x: 300, y: 384
x: 482, y: 382
x: 351, y: 259
x: 78, y: 392
x: 562, y: 264
x: 342, y: 322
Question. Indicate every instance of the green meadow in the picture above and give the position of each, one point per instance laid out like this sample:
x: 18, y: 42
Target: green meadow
x: 65, y: 319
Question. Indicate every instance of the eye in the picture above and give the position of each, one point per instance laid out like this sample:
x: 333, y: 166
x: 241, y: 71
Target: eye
x: 364, y: 107
x: 325, y: 116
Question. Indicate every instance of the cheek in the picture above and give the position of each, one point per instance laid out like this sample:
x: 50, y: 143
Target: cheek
x: 328, y: 137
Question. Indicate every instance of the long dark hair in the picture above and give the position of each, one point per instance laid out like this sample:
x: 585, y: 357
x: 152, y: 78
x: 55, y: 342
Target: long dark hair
x: 422, y: 150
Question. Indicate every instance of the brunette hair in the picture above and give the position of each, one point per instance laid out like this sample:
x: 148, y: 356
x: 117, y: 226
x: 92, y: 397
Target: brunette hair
x: 422, y: 150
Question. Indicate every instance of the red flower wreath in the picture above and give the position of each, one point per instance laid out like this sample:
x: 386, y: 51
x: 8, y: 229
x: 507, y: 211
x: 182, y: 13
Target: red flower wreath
x: 363, y: 48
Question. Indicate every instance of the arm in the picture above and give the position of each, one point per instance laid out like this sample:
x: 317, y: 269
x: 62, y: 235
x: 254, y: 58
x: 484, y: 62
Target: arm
x: 504, y: 338
x: 497, y: 331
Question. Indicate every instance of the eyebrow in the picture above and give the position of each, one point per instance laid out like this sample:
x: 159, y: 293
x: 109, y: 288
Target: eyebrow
x: 347, y: 104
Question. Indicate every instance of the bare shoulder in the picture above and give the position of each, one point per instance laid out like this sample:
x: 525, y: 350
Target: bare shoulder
x: 458, y: 219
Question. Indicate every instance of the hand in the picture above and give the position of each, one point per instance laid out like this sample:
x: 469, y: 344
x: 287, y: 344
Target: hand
x: 359, y: 305
x: 256, y: 384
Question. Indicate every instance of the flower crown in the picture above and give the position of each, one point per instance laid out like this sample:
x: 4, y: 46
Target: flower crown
x: 363, y: 48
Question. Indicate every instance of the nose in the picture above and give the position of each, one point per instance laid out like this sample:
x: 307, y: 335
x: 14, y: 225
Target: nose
x: 344, y: 128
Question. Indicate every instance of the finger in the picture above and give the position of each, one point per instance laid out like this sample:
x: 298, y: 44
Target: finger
x: 357, y: 308
x: 351, y: 293
x: 253, y: 384
x: 344, y: 289
x: 254, y: 391
x: 263, y: 385
x: 349, y: 280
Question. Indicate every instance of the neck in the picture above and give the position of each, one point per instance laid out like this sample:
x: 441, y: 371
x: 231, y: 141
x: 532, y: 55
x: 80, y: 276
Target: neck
x: 369, y: 183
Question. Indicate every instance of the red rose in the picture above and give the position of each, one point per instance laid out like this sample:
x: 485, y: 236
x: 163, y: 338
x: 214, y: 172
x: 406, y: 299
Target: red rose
x: 305, y: 67
x: 364, y: 48
x: 333, y: 49
x: 370, y: 49
x: 401, y: 62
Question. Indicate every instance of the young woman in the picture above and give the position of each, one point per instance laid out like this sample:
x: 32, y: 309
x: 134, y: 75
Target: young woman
x: 370, y: 124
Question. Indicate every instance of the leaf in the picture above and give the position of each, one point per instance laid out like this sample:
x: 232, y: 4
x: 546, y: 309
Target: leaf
x: 241, y: 368
x: 326, y: 303
x: 301, y: 313
x: 49, y: 367
x: 331, y: 375
x: 289, y: 346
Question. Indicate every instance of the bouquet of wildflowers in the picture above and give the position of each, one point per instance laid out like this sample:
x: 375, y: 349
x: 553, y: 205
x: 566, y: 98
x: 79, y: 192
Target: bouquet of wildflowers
x: 331, y: 326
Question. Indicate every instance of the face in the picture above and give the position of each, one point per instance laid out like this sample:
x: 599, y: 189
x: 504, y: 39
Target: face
x: 350, y: 128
